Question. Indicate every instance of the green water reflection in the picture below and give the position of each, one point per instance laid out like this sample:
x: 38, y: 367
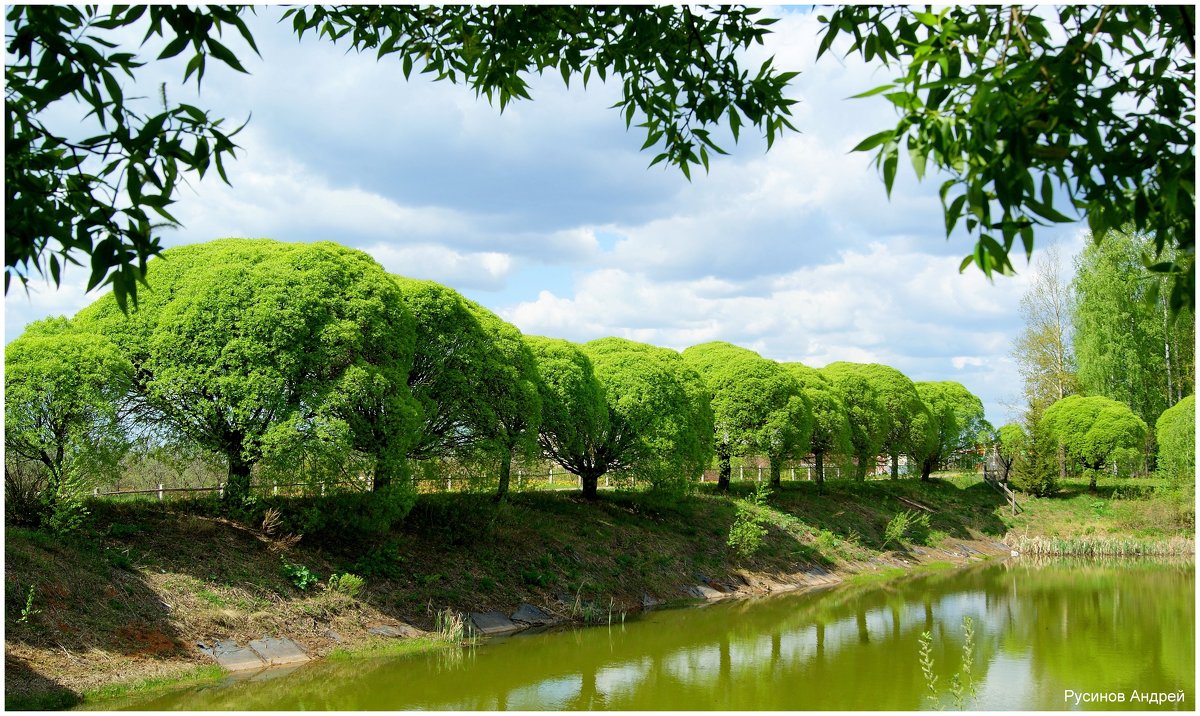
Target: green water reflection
x: 1040, y: 630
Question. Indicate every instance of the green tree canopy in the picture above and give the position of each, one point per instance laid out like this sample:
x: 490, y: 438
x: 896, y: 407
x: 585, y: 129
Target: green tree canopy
x: 451, y: 353
x: 831, y: 424
x: 62, y: 391
x: 1017, y: 102
x: 613, y: 405
x: 1043, y: 350
x: 956, y: 418
x: 509, y: 397
x: 1127, y: 344
x: 757, y: 406
x: 1176, y: 434
x: 1011, y: 442
x: 869, y: 421
x: 95, y: 191
x: 252, y: 346
x: 907, y: 419
x: 575, y: 423
x: 1091, y: 428
x: 659, y: 412
x: 474, y: 378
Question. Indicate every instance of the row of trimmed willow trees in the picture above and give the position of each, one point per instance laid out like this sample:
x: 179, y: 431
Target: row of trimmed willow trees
x: 299, y: 356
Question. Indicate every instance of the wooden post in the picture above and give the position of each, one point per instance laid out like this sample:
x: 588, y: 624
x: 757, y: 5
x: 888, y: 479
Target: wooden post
x: 759, y: 479
x: 221, y: 490
x: 793, y: 474
x: 322, y: 489
x: 605, y: 481
x: 274, y: 489
x: 160, y: 492
x: 741, y: 472
x: 95, y: 492
x: 551, y: 475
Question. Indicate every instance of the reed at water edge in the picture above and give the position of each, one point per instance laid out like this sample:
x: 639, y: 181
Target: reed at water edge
x: 1102, y: 546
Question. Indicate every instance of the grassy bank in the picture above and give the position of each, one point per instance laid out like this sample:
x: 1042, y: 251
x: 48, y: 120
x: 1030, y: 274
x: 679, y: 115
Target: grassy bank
x: 126, y: 600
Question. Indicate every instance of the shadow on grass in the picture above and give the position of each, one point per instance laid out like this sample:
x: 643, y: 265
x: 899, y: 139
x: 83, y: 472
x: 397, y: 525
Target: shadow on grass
x: 27, y: 690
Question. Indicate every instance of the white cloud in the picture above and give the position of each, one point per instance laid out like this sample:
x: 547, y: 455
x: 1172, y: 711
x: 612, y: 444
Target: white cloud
x: 484, y: 270
x: 912, y: 311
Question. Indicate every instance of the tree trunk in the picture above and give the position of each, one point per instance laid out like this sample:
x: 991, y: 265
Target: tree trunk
x: 505, y: 474
x: 820, y: 472
x: 860, y: 470
x: 590, y: 482
x: 926, y: 469
x: 724, y: 470
x: 237, y: 485
x: 776, y: 468
x: 386, y: 470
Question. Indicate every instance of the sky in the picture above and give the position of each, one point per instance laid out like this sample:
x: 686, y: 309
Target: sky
x: 549, y: 215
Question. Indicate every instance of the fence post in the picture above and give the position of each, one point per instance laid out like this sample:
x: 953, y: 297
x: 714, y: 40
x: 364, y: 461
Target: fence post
x: 809, y: 475
x: 95, y: 492
x: 274, y: 489
x: 793, y: 474
x: 552, y: 475
x: 221, y: 490
x: 759, y: 479
x: 160, y: 492
x: 322, y: 488
x: 605, y: 481
x: 741, y: 472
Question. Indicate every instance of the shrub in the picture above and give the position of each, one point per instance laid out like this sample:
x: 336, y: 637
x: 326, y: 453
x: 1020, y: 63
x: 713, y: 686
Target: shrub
x: 348, y: 584
x: 1035, y: 470
x: 24, y: 480
x: 67, y: 512
x: 383, y: 562
x: 300, y: 576
x: 747, y: 532
x: 907, y: 524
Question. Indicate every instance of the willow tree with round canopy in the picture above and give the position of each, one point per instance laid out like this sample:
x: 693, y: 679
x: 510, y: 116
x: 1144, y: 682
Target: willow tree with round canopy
x: 831, y: 424
x: 617, y: 406
x: 956, y: 417
x: 473, y: 377
x: 1091, y: 429
x: 509, y: 399
x: 250, y: 346
x: 62, y: 392
x: 869, y: 421
x: 757, y: 407
x: 906, y: 420
x: 1175, y: 431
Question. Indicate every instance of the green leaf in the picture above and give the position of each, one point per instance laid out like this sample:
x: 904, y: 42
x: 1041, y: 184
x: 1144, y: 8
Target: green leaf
x: 874, y: 140
x: 890, y: 162
x: 174, y: 47
x: 872, y: 92
x: 918, y: 154
x: 223, y: 54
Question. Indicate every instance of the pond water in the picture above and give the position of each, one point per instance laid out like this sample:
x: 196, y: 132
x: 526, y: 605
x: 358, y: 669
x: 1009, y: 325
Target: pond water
x: 1039, y: 630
